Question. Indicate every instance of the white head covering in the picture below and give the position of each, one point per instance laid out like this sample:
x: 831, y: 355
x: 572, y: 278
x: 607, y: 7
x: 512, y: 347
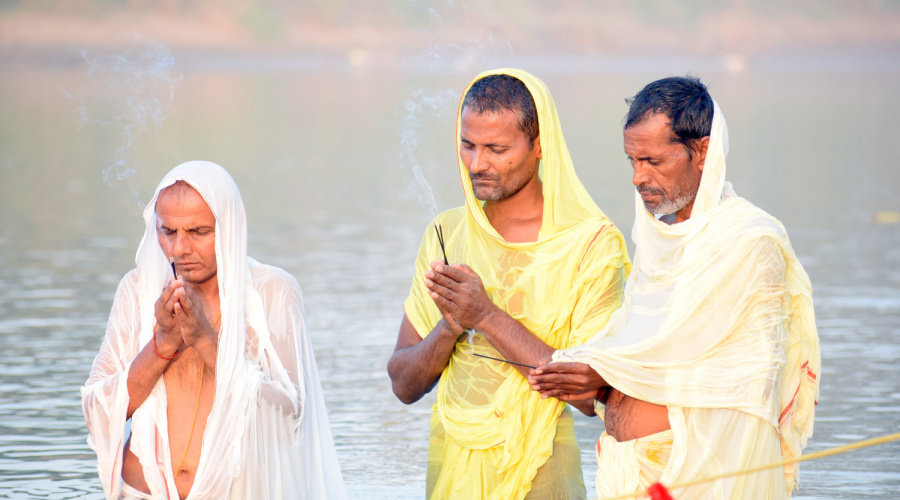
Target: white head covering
x: 236, y: 295
x: 267, y: 434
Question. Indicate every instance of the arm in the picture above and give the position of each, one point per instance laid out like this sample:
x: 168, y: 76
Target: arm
x: 417, y: 363
x: 147, y: 366
x: 459, y: 294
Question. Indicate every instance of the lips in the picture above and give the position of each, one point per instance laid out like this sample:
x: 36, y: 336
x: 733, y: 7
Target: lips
x: 482, y: 179
x: 647, y: 192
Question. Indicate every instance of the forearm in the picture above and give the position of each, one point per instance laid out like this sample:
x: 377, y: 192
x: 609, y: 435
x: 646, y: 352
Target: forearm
x: 585, y: 406
x: 415, y: 369
x: 208, y: 349
x: 145, y: 370
x: 513, y: 340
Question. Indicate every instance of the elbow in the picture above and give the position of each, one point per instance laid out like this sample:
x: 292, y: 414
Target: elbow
x: 401, y: 387
x: 405, y: 398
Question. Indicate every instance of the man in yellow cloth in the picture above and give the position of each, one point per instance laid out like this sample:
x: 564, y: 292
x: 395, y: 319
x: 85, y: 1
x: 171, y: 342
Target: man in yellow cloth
x: 533, y: 262
x: 712, y: 363
x: 213, y: 369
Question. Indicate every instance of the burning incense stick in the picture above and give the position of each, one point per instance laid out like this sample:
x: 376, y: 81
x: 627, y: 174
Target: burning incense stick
x: 503, y: 360
x: 440, y: 233
x: 172, y: 261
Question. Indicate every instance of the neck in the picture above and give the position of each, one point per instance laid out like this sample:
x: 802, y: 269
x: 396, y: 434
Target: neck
x: 685, y: 213
x: 518, y: 218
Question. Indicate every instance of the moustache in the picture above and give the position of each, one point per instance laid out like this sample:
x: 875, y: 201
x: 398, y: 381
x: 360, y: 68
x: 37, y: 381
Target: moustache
x: 644, y: 189
x: 483, y: 177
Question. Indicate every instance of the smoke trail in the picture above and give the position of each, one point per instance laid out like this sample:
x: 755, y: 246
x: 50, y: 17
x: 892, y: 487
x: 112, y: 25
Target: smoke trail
x: 130, y: 94
x: 418, y: 107
x: 457, y: 41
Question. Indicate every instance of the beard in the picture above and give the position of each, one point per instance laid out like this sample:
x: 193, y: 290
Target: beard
x: 500, y: 191
x: 682, y: 195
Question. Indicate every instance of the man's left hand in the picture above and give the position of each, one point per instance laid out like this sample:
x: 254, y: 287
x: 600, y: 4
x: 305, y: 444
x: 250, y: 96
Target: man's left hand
x: 457, y: 290
x: 195, y: 328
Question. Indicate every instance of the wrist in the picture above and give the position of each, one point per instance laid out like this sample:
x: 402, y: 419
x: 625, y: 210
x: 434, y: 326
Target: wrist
x: 162, y: 350
x: 489, y: 320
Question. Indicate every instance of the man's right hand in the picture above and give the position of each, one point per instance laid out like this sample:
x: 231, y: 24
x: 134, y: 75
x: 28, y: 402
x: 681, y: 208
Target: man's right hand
x: 566, y: 381
x: 168, y: 332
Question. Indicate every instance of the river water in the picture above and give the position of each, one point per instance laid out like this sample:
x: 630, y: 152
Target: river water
x: 326, y: 183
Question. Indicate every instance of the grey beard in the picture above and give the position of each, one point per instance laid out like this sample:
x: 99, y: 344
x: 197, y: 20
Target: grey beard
x: 669, y: 206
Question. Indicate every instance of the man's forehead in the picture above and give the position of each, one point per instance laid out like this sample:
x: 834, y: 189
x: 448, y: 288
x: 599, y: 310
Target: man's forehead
x: 183, y: 194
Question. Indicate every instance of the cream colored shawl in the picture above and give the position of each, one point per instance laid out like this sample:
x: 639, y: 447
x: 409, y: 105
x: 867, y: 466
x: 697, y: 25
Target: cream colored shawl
x: 717, y: 315
x: 267, y: 435
x: 567, y: 282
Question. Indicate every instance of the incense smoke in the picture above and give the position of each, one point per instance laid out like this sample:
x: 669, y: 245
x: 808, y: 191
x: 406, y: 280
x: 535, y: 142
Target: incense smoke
x: 457, y: 40
x: 130, y: 94
x: 419, y: 106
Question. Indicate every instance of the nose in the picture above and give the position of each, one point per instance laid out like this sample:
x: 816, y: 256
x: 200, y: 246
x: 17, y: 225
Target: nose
x: 180, y: 244
x: 641, y: 174
x: 477, y: 161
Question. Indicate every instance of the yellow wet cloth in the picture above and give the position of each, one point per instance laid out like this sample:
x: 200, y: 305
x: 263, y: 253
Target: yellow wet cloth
x: 717, y: 324
x: 563, y: 288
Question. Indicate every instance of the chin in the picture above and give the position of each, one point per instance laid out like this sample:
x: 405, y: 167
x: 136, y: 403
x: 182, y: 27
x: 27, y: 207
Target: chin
x: 484, y: 195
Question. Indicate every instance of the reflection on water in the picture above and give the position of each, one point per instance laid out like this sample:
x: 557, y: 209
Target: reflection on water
x: 316, y: 157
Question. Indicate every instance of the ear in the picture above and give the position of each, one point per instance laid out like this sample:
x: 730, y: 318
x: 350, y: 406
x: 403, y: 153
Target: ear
x: 701, y: 147
x: 537, y: 144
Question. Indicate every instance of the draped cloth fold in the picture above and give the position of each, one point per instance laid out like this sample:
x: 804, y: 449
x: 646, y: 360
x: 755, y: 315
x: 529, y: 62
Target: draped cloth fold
x: 267, y: 435
x: 496, y: 432
x: 717, y: 323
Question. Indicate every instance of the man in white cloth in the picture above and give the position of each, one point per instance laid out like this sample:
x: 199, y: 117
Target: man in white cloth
x: 712, y: 363
x: 214, y: 368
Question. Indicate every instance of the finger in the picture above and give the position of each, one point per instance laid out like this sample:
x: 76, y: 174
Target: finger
x: 437, y: 288
x: 186, y: 302
x: 548, y: 368
x: 165, y: 295
x: 456, y: 272
x: 445, y: 305
x: 179, y: 312
x: 442, y: 278
x: 466, y: 269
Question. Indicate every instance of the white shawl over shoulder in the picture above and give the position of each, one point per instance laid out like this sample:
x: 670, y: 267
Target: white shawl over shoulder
x: 717, y: 324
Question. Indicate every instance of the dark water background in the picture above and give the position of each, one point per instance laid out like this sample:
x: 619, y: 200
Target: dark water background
x: 318, y: 158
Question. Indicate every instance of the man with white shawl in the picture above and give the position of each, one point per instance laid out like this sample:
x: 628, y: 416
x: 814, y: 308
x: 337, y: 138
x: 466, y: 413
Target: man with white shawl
x: 712, y: 363
x: 533, y: 266
x: 213, y: 369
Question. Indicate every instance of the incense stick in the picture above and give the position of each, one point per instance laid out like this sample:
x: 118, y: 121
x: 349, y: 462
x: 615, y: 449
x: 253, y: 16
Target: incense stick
x: 440, y: 233
x: 173, y: 268
x: 503, y: 360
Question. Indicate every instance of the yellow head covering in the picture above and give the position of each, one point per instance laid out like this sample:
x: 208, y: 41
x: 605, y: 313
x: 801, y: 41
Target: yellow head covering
x: 562, y: 287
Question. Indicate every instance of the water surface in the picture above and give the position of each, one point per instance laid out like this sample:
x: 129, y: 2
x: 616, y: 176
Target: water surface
x: 317, y: 158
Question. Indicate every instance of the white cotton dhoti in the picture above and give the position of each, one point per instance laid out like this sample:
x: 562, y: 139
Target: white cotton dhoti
x: 631, y: 466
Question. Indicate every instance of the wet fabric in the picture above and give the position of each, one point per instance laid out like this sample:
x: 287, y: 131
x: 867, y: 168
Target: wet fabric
x: 562, y: 287
x: 631, y: 466
x: 717, y: 323
x: 267, y: 435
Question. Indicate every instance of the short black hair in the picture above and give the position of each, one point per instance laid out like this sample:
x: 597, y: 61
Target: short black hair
x: 496, y: 93
x: 683, y: 99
